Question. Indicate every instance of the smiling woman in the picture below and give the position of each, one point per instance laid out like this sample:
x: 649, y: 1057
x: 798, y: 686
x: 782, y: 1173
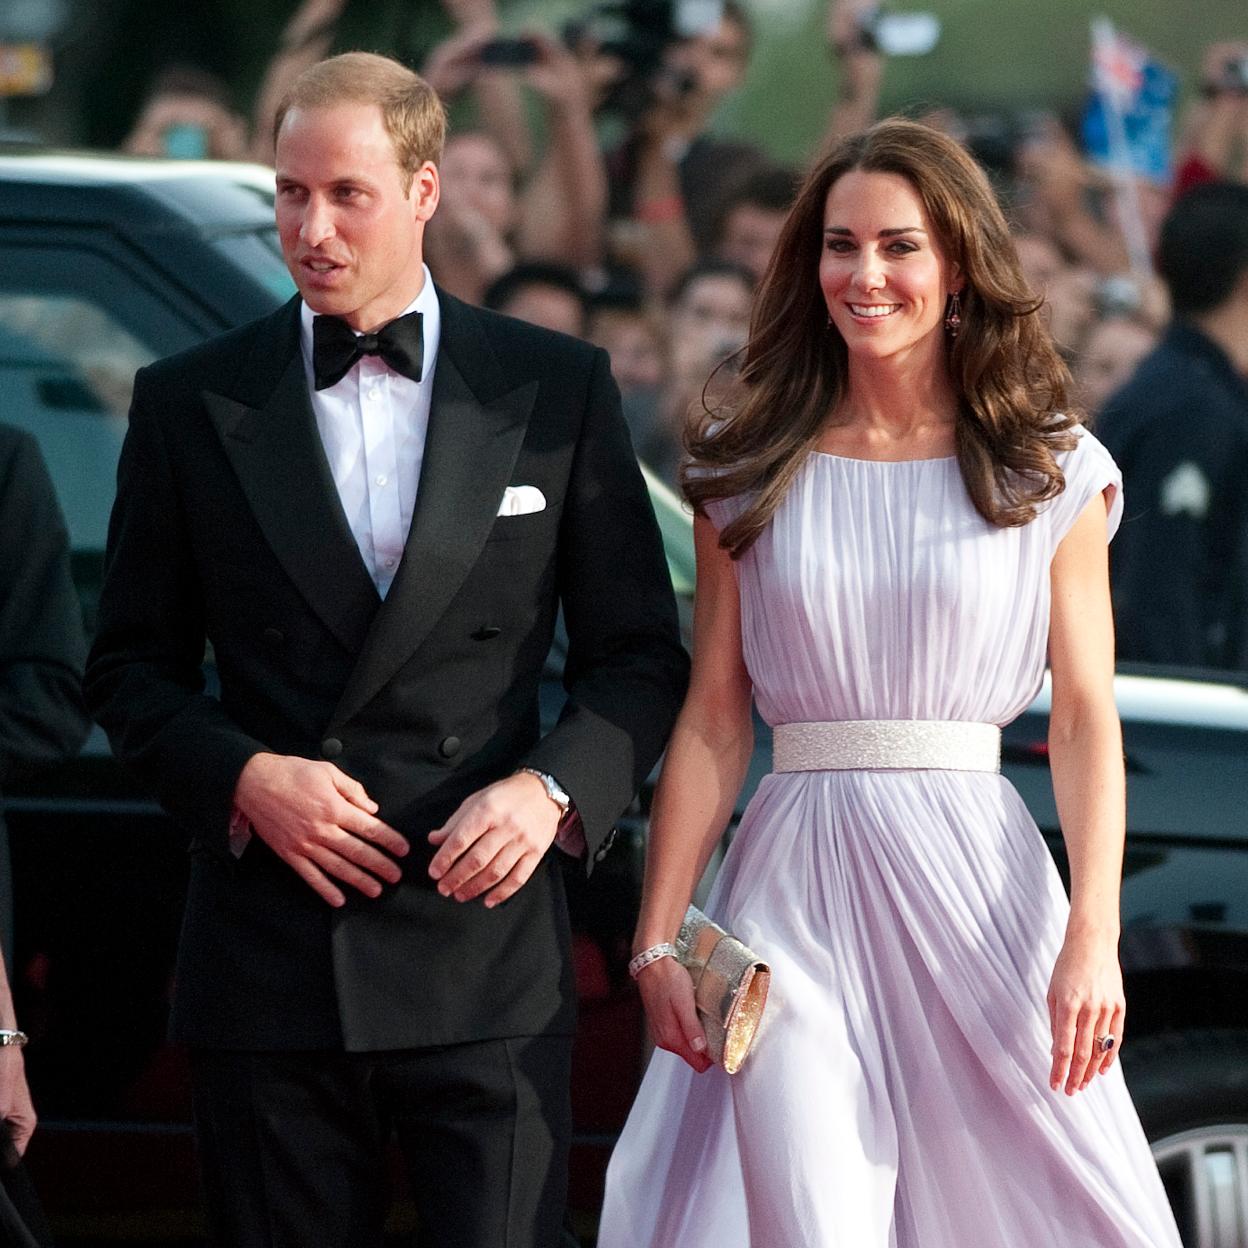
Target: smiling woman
x: 886, y: 605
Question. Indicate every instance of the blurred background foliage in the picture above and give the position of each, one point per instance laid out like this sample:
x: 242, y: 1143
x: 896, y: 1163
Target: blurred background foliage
x: 993, y: 54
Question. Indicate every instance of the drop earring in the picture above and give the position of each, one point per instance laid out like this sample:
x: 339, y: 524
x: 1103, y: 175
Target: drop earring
x: 953, y: 315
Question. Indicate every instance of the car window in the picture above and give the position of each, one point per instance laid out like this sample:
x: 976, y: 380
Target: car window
x: 259, y: 253
x: 66, y: 371
x: 75, y: 324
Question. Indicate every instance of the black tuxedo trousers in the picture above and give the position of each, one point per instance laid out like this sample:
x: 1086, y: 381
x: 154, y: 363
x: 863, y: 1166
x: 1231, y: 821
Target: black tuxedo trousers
x: 292, y: 1144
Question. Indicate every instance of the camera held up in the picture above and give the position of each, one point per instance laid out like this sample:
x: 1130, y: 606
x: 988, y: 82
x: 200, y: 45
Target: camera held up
x: 636, y: 34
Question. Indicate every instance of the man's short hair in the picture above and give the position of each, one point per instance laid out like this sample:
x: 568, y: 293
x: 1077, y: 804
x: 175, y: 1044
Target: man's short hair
x: 179, y: 79
x: 710, y: 268
x: 1204, y: 246
x: 771, y: 188
x: 410, y: 109
x: 527, y: 273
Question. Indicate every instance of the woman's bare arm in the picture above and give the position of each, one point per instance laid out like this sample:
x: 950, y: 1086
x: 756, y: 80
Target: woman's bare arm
x: 1085, y: 752
x: 702, y: 774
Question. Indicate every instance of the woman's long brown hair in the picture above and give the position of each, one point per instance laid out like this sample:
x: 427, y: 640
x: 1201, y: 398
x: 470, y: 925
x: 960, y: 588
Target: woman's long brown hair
x: 1010, y: 382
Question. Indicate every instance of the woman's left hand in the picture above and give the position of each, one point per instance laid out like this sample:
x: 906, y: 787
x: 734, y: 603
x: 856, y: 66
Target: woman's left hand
x: 1086, y: 1002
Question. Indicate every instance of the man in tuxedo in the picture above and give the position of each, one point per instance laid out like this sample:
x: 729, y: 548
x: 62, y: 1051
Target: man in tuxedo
x: 372, y: 503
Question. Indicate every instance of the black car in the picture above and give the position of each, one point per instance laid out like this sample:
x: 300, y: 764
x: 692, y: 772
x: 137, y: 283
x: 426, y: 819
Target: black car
x: 106, y: 264
x: 1184, y: 926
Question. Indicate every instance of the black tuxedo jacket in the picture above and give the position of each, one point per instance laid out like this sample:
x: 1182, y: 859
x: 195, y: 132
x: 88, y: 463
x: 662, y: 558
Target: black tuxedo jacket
x: 227, y: 526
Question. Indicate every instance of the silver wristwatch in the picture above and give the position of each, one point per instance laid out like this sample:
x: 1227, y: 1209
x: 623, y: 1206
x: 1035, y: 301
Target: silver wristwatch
x: 554, y: 790
x: 15, y: 1038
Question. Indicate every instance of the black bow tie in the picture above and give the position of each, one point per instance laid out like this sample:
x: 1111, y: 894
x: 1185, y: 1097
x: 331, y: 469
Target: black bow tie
x: 336, y: 347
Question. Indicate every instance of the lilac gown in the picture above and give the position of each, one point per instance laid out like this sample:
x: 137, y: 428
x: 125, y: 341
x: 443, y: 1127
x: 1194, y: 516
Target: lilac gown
x: 897, y: 1096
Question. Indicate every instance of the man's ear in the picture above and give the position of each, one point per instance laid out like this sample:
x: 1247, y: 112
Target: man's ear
x: 426, y: 191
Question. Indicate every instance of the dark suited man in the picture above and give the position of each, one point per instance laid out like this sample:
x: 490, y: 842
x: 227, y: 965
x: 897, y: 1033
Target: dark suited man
x: 1179, y: 431
x: 376, y: 545
x: 42, y: 722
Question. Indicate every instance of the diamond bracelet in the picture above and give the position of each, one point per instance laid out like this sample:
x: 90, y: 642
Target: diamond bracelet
x: 653, y: 954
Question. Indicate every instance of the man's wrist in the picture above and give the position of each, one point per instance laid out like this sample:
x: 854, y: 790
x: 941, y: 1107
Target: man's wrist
x: 248, y: 773
x: 554, y: 790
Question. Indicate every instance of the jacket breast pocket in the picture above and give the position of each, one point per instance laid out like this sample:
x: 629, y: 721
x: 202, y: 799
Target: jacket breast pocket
x: 532, y: 526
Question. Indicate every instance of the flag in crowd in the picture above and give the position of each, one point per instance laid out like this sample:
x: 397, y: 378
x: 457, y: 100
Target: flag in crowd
x: 1129, y: 118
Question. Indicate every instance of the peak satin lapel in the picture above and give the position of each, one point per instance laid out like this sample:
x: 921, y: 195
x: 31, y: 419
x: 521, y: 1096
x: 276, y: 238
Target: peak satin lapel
x: 470, y: 453
x: 276, y: 454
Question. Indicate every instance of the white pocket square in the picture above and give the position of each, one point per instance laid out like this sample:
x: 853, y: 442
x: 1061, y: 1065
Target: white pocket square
x: 522, y: 500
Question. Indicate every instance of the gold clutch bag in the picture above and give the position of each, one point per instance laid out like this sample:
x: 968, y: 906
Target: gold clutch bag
x: 729, y: 987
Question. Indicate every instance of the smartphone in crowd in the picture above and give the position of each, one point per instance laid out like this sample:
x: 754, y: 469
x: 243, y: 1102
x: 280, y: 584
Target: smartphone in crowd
x: 1235, y: 74
x: 186, y: 142
x: 508, y: 53
x: 899, y: 34
x: 691, y: 18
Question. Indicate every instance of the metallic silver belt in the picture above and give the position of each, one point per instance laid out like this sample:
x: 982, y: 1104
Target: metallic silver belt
x: 887, y: 744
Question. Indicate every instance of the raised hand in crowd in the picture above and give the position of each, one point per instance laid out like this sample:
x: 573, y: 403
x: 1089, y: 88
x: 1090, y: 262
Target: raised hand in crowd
x: 658, y: 239
x: 1054, y: 180
x: 469, y: 240
x: 306, y: 39
x: 669, y: 177
x: 188, y: 115
x: 498, y: 100
x: 564, y: 207
x: 471, y: 12
x: 455, y: 63
x: 861, y: 69
x: 562, y: 202
x: 1215, y: 139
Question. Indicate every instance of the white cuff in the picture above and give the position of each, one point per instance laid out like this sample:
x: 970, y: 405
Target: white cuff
x: 239, y: 835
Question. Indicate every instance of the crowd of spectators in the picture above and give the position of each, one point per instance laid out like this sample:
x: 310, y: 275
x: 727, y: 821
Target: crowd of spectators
x: 651, y: 244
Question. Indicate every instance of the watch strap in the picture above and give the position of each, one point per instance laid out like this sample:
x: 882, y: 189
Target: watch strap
x: 554, y: 790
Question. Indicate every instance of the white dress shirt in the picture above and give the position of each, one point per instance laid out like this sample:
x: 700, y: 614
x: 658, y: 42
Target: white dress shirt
x: 373, y: 423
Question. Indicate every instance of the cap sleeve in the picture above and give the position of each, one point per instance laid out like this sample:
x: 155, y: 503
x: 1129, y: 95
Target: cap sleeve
x: 1089, y: 470
x: 723, y: 511
x: 720, y: 511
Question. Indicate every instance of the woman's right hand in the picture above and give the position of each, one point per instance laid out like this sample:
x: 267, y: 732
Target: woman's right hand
x: 667, y: 994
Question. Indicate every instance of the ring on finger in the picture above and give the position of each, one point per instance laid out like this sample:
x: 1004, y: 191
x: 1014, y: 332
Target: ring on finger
x: 1104, y: 1044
